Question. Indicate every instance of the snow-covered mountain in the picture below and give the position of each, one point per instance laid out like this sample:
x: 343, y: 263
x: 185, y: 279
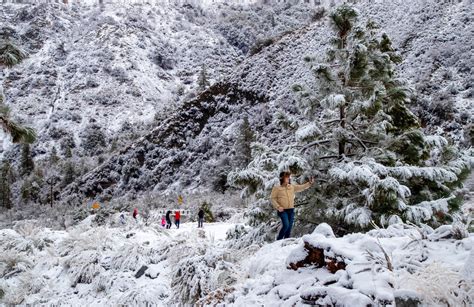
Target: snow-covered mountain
x: 121, y: 63
x: 179, y: 152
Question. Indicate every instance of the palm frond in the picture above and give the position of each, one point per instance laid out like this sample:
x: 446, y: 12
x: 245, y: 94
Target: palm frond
x: 10, y: 54
x: 18, y: 133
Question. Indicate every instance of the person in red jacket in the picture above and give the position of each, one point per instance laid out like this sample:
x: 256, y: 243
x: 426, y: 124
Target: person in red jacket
x: 135, y: 213
x: 177, y: 216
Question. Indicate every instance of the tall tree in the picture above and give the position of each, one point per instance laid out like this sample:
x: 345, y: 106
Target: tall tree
x: 26, y: 161
x: 203, y: 81
x: 355, y: 131
x: 245, y: 137
x: 53, y: 157
x: 5, y: 180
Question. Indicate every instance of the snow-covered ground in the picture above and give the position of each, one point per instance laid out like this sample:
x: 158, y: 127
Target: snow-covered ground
x: 98, y: 266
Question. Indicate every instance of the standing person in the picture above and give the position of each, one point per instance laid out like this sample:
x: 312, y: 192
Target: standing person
x: 177, y: 217
x: 283, y: 200
x: 135, y: 213
x: 200, y: 218
x: 163, y: 221
x: 168, y: 219
x: 122, y: 219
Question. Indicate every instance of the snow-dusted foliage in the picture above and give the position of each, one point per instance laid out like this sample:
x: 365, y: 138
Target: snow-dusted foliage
x: 437, y: 285
x: 355, y: 132
x: 196, y: 277
x: 366, y: 279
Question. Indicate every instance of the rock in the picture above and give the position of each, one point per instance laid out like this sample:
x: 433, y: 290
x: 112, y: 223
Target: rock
x: 152, y: 273
x: 325, y: 230
x: 141, y: 271
x: 333, y: 265
x: 407, y: 298
x: 314, y: 256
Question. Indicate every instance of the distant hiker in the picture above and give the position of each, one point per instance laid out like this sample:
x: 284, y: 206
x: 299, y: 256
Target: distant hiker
x: 163, y: 221
x: 177, y: 217
x: 122, y: 219
x: 200, y: 218
x: 283, y: 200
x: 168, y: 219
x: 135, y: 213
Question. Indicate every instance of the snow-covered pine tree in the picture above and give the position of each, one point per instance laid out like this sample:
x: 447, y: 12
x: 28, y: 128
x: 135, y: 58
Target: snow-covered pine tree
x: 245, y: 137
x: 53, y: 156
x: 203, y: 81
x: 261, y: 174
x: 356, y: 134
x: 26, y: 161
x: 380, y: 165
x: 69, y: 173
x: 5, y: 191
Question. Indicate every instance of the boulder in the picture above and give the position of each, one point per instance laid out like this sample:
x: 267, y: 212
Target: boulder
x: 152, y: 273
x: 141, y: 271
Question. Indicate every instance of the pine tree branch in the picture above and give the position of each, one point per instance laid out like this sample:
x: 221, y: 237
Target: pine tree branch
x: 332, y: 121
x: 315, y: 143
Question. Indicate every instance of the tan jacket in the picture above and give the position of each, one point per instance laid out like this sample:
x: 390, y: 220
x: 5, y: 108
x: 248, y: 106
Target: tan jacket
x: 284, y: 197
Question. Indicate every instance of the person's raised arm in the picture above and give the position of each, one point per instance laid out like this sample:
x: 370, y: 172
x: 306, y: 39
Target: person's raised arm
x: 302, y: 187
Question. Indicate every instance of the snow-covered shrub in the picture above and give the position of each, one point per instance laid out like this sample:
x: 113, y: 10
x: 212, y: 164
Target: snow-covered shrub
x: 130, y: 257
x: 438, y: 284
x: 258, y: 235
x: 196, y: 277
x: 11, y: 241
x: 12, y: 263
x: 237, y: 232
x: 83, y: 267
x: 146, y: 295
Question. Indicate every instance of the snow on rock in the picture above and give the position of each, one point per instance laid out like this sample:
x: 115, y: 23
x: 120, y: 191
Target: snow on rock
x: 325, y: 230
x: 377, y: 265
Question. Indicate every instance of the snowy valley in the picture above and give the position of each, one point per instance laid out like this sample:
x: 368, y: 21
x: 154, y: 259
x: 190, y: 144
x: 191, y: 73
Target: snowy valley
x: 150, y: 106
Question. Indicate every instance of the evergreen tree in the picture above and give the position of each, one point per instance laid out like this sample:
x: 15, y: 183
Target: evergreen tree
x: 68, y: 152
x: 243, y: 151
x: 26, y: 161
x: 356, y: 134
x: 5, y: 179
x: 53, y: 157
x: 203, y: 81
x: 380, y: 165
x: 69, y: 173
x: 25, y: 191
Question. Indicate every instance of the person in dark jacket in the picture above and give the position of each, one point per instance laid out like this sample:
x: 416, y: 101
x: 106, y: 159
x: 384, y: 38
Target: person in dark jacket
x: 135, y: 213
x: 168, y: 219
x: 200, y: 218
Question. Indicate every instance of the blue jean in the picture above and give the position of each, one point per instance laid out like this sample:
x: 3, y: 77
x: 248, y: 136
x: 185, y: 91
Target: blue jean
x: 287, y: 217
x: 176, y: 222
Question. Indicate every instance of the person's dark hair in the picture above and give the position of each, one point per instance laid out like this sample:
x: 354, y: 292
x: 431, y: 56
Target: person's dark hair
x: 283, y: 175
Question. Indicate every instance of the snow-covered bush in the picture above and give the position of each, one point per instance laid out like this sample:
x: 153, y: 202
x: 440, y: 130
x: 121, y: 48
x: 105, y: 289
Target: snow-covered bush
x: 438, y: 284
x: 196, y: 277
x: 147, y: 295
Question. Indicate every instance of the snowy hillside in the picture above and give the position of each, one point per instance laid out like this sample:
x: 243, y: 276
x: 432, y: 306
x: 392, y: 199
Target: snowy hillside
x: 182, y: 150
x: 120, y: 64
x: 137, y: 264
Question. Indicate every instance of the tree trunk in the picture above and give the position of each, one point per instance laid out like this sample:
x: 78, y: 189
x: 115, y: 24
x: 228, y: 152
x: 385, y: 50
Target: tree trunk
x: 342, y: 118
x: 51, y: 195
